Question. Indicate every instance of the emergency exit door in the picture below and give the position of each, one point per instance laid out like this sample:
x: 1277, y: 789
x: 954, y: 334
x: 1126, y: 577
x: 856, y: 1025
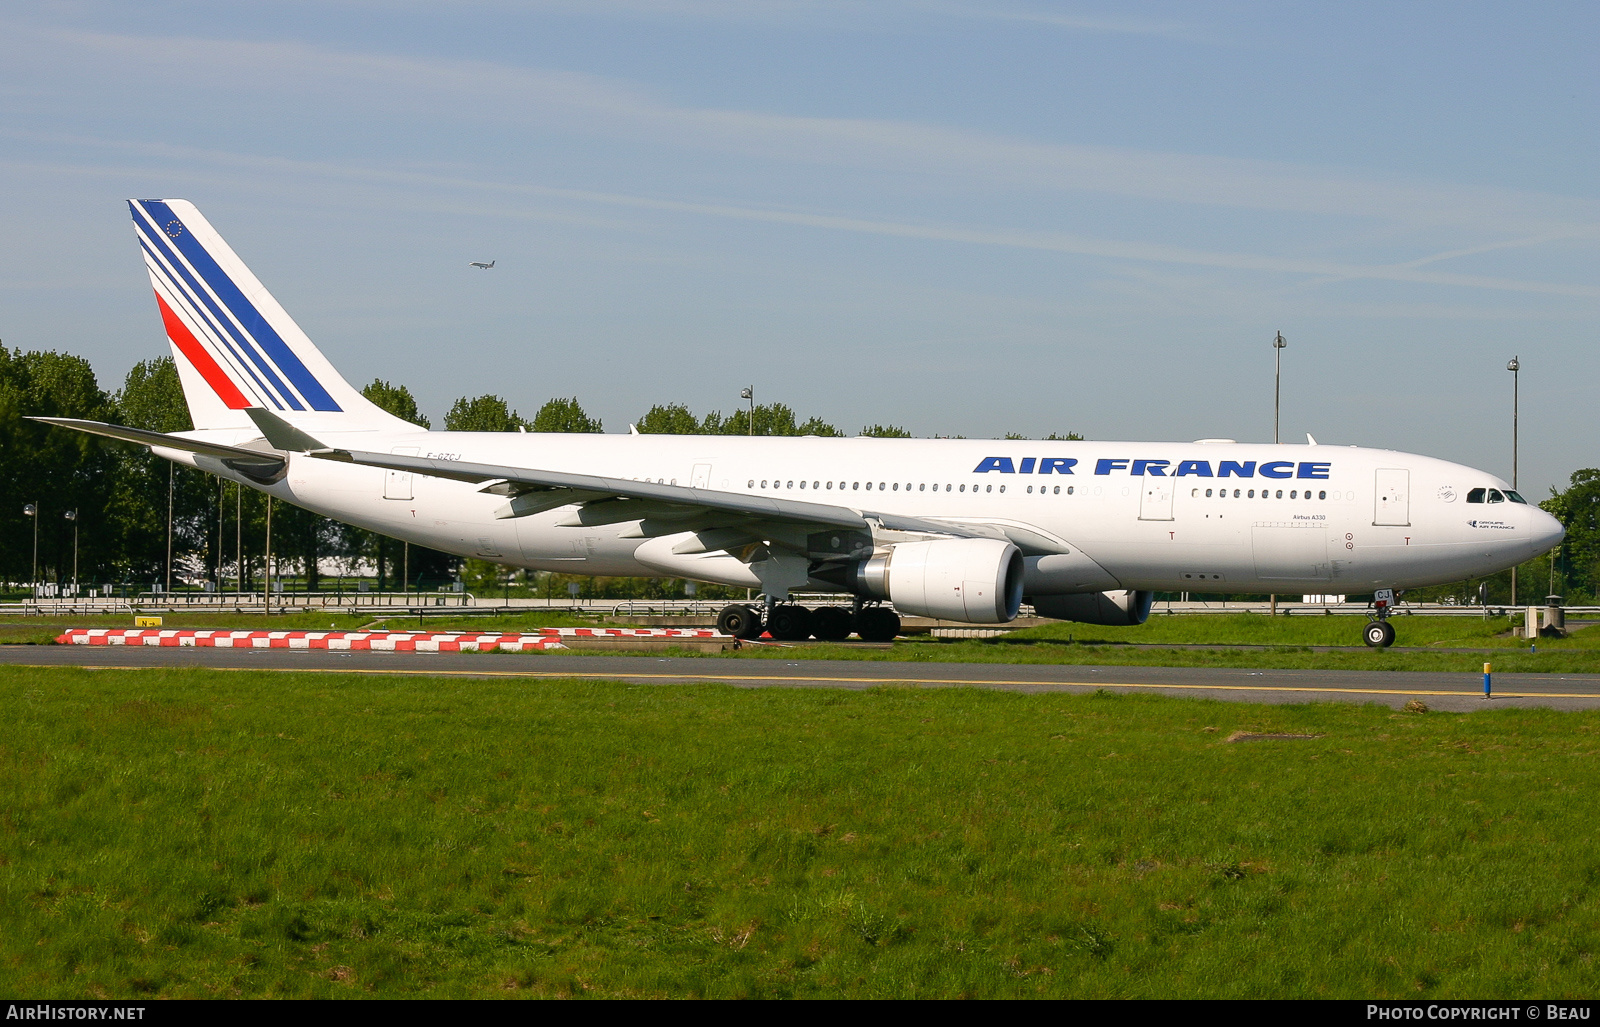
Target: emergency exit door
x: 1391, y: 501
x: 1155, y: 499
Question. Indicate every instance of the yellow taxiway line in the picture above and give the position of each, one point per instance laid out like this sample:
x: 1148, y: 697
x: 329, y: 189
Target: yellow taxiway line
x: 794, y: 679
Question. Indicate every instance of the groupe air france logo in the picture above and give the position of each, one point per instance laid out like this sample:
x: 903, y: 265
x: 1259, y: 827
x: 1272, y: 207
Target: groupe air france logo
x: 174, y: 228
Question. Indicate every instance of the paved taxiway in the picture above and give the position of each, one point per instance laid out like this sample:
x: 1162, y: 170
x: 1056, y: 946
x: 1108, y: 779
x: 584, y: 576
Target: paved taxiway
x: 1446, y: 691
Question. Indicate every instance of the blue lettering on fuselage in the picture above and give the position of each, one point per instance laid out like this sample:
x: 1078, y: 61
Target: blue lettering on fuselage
x: 1046, y: 465
x: 1159, y: 468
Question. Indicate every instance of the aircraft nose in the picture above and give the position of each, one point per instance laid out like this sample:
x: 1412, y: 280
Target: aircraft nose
x: 1546, y: 532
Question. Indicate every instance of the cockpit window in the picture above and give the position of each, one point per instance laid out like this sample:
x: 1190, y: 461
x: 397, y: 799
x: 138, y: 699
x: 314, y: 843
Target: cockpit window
x: 1515, y: 498
x: 1476, y: 495
x: 1495, y: 496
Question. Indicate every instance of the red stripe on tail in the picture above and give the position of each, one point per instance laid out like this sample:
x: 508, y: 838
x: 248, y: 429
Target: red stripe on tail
x: 214, y: 375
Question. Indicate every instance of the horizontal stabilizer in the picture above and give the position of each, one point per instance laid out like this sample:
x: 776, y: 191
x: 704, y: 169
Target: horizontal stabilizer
x: 155, y: 438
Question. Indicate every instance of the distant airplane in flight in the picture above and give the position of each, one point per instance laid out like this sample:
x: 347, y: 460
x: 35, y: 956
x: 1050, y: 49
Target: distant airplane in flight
x: 951, y: 529
x: 481, y: 264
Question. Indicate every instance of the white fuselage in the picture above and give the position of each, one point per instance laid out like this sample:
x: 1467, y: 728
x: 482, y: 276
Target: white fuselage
x: 1196, y: 517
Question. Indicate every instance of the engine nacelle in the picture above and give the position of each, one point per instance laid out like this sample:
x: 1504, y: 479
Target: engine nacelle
x: 1113, y: 609
x: 978, y: 580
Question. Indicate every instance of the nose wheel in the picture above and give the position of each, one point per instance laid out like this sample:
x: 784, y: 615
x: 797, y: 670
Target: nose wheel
x: 1379, y: 634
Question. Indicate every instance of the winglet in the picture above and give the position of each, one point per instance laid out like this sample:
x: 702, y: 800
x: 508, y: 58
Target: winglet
x: 280, y: 434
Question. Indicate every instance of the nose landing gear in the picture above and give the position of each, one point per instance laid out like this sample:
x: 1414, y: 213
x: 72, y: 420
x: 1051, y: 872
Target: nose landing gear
x: 1380, y: 633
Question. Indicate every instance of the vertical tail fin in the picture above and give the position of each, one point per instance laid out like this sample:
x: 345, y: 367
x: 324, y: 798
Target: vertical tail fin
x: 234, y: 345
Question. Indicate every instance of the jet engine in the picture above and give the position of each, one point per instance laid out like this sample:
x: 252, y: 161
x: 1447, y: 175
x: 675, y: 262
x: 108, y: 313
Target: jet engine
x: 1115, y: 609
x: 978, y: 580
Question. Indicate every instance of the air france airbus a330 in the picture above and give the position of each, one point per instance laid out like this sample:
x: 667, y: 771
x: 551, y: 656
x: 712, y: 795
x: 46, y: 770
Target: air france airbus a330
x: 954, y: 529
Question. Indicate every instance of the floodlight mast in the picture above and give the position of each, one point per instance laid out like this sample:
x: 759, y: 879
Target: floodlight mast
x: 1278, y: 345
x: 1514, y: 365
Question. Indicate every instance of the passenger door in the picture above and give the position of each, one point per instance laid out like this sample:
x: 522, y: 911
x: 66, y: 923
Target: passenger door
x: 397, y: 484
x: 1391, y: 502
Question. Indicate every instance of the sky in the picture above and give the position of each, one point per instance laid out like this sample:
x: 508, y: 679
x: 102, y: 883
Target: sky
x: 963, y: 218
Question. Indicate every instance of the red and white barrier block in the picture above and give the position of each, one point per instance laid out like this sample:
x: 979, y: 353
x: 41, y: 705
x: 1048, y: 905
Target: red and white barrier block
x: 373, y: 641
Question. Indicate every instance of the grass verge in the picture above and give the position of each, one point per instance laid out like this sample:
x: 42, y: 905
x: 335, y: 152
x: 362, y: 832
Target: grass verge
x: 196, y: 833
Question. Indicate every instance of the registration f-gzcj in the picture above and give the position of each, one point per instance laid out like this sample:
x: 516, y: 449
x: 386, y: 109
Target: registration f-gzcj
x: 953, y: 529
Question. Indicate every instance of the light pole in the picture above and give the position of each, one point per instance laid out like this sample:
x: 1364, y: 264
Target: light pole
x: 1514, y: 365
x: 749, y: 392
x: 72, y: 515
x: 170, y: 469
x: 1278, y: 345
x: 32, y: 510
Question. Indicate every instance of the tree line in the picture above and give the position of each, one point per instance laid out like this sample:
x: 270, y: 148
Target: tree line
x: 121, y: 495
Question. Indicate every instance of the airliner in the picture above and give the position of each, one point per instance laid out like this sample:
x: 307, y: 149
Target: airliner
x: 960, y: 530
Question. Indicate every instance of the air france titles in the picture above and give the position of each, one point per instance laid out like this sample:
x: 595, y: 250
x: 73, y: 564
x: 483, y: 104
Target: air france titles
x: 1159, y: 468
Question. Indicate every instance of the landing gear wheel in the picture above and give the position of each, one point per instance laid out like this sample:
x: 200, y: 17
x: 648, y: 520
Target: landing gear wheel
x: 875, y: 624
x: 739, y: 621
x: 1380, y: 634
x: 790, y: 623
x: 830, y: 623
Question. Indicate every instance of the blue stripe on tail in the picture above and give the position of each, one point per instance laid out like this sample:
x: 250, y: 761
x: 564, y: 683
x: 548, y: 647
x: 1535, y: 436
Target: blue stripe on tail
x: 244, y: 311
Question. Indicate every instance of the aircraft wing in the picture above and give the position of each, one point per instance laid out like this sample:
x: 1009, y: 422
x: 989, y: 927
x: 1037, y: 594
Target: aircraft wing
x: 590, y: 489
x: 723, y: 519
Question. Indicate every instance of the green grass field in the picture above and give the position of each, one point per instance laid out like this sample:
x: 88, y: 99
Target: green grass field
x: 196, y: 833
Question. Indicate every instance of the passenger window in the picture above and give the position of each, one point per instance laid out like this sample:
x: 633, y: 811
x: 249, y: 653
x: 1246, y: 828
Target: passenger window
x: 763, y: 483
x: 896, y: 487
x: 1476, y: 495
x: 869, y: 486
x: 830, y: 484
x: 1208, y: 493
x: 880, y: 486
x: 855, y: 486
x: 752, y: 483
x: 963, y: 488
x: 1322, y: 495
x: 923, y: 487
x: 802, y: 484
x: 1069, y: 490
x: 1251, y: 494
x: 1235, y: 493
x: 1495, y: 496
x: 1280, y: 493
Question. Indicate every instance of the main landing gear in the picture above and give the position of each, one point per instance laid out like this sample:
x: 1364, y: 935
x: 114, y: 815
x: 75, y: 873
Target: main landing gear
x: 790, y: 622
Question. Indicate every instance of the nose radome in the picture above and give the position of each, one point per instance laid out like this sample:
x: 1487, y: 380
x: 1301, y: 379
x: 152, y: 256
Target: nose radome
x: 1546, y: 532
